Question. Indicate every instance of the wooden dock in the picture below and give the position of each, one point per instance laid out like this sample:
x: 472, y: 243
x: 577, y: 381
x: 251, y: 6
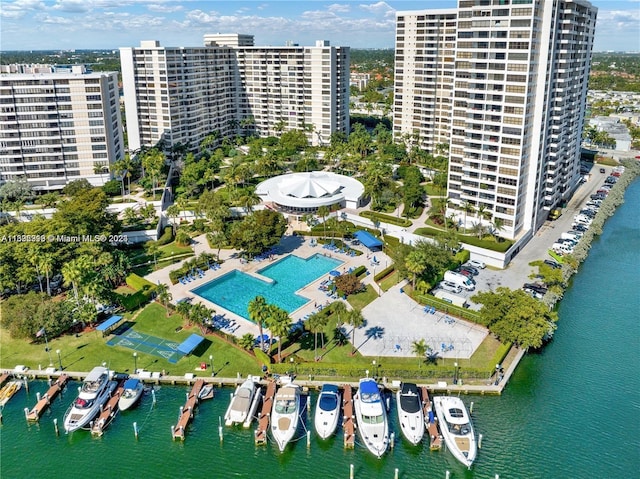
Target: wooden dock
x: 4, y: 378
x: 348, y: 417
x: 432, y: 427
x: 50, y: 395
x: 107, y: 412
x: 187, y: 411
x: 265, y: 414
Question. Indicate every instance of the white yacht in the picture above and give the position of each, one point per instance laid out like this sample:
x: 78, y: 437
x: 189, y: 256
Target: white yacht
x: 327, y: 411
x: 95, y: 391
x: 456, y: 428
x: 240, y: 404
x: 371, y: 417
x: 285, y: 414
x: 410, y: 413
x: 133, y: 389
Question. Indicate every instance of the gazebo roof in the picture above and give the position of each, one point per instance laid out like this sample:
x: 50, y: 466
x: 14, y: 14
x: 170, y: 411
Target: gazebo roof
x: 309, y: 186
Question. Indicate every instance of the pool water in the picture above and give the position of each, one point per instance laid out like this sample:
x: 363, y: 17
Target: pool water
x: 234, y: 290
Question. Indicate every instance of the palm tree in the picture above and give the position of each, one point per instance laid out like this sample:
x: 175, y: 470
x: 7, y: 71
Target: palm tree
x: 498, y: 225
x: 419, y: 348
x: 339, y: 309
x: 173, y: 212
x: 323, y: 212
x: 164, y: 295
x: 467, y: 208
x: 184, y: 309
x: 354, y: 318
x: 73, y: 272
x: 279, y: 324
x: 258, y: 313
x: 314, y: 325
x: 182, y: 205
x: 46, y: 265
x: 249, y: 200
x: 416, y: 263
x: 246, y: 341
x: 152, y: 250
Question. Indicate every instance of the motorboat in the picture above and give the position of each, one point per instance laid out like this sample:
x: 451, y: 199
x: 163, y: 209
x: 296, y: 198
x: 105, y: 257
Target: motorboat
x: 240, y: 403
x: 327, y: 411
x: 371, y: 417
x: 410, y: 413
x: 133, y: 389
x: 285, y: 414
x: 206, y: 392
x: 8, y: 390
x: 95, y: 391
x: 456, y: 428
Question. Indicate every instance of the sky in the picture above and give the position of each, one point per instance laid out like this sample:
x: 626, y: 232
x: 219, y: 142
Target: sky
x: 110, y: 24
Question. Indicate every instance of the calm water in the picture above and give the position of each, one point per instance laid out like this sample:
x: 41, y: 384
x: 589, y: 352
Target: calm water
x: 570, y: 412
x: 236, y: 289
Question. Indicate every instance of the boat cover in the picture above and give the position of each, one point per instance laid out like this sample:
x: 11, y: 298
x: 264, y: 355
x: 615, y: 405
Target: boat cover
x: 113, y: 320
x: 131, y: 383
x: 409, y: 398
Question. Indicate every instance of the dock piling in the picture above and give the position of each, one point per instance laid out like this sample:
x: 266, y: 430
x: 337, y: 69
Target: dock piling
x: 38, y: 397
x: 395, y: 474
x: 350, y: 471
x: 220, y: 429
x: 55, y: 426
x: 471, y: 408
x: 26, y: 413
x: 480, y: 441
x: 26, y: 384
x: 135, y: 429
x: 392, y: 439
x: 447, y: 475
x: 153, y: 396
x: 308, y: 439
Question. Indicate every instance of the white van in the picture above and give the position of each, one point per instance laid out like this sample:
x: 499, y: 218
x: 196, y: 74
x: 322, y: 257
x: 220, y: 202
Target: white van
x: 571, y: 235
x: 459, y: 279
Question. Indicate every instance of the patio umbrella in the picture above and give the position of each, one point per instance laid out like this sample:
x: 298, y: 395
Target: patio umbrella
x: 334, y: 273
x: 265, y: 338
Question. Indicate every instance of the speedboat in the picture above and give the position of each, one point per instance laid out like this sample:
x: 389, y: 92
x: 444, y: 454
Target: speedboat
x: 95, y: 391
x: 456, y: 428
x: 133, y: 389
x: 410, y: 413
x: 327, y: 411
x: 240, y: 404
x: 371, y: 417
x: 285, y: 414
x: 8, y: 391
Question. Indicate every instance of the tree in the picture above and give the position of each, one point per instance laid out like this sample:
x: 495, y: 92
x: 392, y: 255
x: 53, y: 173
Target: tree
x: 315, y: 324
x: 416, y: 263
x: 183, y: 238
x: 49, y: 200
x: 246, y: 341
x: 75, y: 187
x: 17, y: 190
x: 348, y: 283
x: 184, y: 309
x: 355, y: 319
x: 323, y: 212
x: 258, y: 313
x: 419, y: 348
x: 514, y: 316
x: 164, y: 295
x: 258, y: 231
x: 46, y: 266
x: 153, y: 248
x: 74, y: 272
x: 249, y: 200
x: 279, y: 324
x: 153, y: 162
x: 467, y: 208
x: 173, y: 212
x: 498, y: 225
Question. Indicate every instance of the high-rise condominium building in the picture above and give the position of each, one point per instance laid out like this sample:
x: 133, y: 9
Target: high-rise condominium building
x: 182, y: 94
x: 504, y: 84
x: 59, y: 126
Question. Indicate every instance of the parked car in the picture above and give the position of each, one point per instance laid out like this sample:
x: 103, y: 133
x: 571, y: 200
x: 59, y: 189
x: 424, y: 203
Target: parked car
x: 598, y: 196
x: 579, y: 227
x: 449, y: 286
x: 465, y: 272
x: 552, y: 263
x: 611, y: 180
x: 536, y: 287
x: 471, y: 269
x: 602, y: 170
x: 617, y: 174
x: 476, y: 264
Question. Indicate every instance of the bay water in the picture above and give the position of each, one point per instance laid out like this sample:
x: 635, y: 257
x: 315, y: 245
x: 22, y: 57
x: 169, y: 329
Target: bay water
x: 570, y: 411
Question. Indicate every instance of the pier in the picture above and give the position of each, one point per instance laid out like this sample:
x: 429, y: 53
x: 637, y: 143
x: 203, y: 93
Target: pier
x: 348, y: 417
x: 4, y: 378
x: 432, y: 427
x: 50, y: 395
x: 108, y: 412
x: 187, y: 411
x: 265, y: 413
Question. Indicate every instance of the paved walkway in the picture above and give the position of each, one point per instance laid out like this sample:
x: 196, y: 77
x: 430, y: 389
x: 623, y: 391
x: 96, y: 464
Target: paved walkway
x: 395, y: 321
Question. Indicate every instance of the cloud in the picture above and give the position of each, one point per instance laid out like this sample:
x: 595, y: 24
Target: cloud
x: 318, y: 15
x: 614, y: 28
x: 379, y: 8
x: 72, y: 6
x: 340, y: 8
x: 155, y: 7
x: 52, y: 20
x: 20, y: 8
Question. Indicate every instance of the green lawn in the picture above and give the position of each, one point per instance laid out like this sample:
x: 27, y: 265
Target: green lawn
x: 360, y: 300
x: 390, y: 280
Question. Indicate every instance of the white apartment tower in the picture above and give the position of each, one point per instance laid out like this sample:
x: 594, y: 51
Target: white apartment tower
x: 517, y: 102
x: 181, y: 95
x: 58, y: 127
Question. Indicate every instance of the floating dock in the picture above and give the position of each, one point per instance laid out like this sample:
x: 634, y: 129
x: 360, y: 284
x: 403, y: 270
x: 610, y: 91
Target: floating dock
x: 108, y: 412
x: 348, y: 417
x: 187, y: 411
x: 265, y: 414
x: 50, y: 395
x: 432, y: 427
x: 4, y: 378
x: 8, y: 390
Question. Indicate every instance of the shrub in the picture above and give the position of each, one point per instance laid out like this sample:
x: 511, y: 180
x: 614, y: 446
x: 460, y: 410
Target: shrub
x: 112, y: 188
x: 382, y: 274
x: 372, y: 215
x: 167, y: 236
x: 263, y: 357
x: 462, y: 256
x: 359, y: 271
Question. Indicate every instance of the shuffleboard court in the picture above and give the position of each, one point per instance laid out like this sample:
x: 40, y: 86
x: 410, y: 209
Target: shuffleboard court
x: 145, y: 343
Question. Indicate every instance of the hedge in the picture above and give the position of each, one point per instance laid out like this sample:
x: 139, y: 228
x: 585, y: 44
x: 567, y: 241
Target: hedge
x: 203, y: 261
x: 359, y: 271
x: 138, y: 283
x: 462, y: 257
x: 386, y: 218
x: 167, y: 236
x: 448, y: 308
x: 384, y: 272
x: 263, y: 357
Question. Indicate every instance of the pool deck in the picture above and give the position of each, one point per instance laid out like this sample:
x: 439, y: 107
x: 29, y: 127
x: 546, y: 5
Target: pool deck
x: 299, y: 246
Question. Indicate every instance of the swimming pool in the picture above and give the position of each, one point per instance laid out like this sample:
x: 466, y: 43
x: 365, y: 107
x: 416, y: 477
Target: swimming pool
x: 235, y: 289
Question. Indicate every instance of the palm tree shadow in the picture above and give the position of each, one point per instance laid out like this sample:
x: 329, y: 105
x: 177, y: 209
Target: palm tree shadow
x: 375, y: 332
